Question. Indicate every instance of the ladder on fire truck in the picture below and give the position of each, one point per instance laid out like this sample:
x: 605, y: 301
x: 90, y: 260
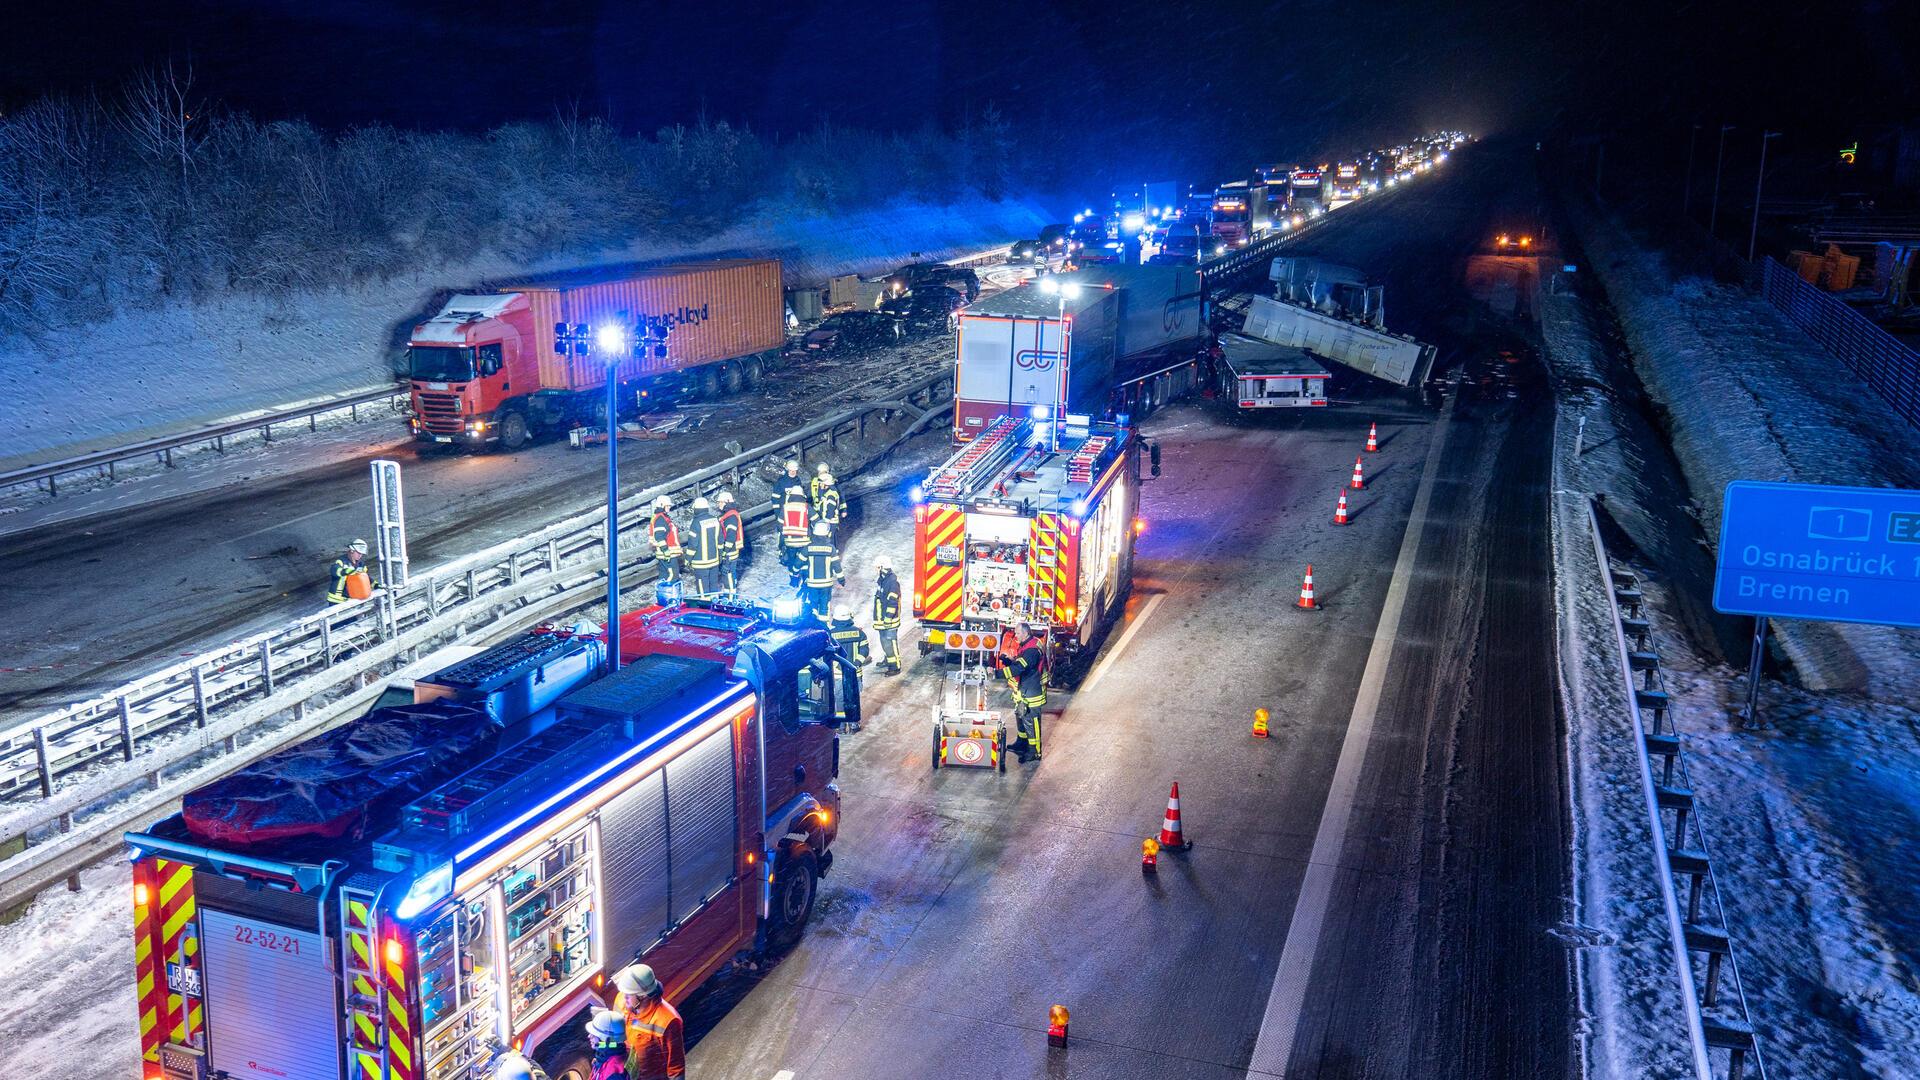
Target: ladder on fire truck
x: 1080, y: 466
x: 981, y: 458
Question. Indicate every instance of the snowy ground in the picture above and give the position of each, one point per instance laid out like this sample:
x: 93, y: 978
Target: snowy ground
x: 142, y: 373
x: 1748, y: 396
x: 1813, y: 819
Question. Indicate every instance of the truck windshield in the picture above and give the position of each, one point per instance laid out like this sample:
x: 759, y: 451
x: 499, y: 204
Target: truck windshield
x: 440, y: 363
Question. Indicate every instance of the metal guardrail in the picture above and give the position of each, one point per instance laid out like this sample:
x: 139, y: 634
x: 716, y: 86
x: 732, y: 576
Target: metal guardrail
x: 1717, y: 1022
x: 162, y: 447
x: 197, y: 713
x: 1882, y: 360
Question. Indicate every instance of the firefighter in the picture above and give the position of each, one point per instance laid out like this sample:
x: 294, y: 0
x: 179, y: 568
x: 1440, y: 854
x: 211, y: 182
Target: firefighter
x: 344, y: 567
x: 822, y: 479
x: 828, y: 506
x: 515, y: 1066
x: 666, y: 541
x: 656, y: 1040
x: 796, y: 517
x: 886, y: 615
x: 1026, y: 674
x: 823, y: 571
x: 733, y: 540
x: 851, y: 639
x: 703, y: 559
x: 607, y: 1038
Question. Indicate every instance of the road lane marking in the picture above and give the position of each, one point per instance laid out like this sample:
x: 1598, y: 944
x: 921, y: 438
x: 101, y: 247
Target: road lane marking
x: 303, y: 517
x: 1273, y: 1046
x: 1121, y: 645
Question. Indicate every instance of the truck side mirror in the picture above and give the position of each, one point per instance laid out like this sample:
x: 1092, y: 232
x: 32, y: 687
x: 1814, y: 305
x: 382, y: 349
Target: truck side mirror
x: 1153, y: 457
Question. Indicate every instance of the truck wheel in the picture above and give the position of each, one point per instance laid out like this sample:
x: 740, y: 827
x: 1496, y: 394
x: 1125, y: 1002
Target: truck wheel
x: 936, y: 746
x: 730, y: 377
x: 796, y: 880
x: 513, y: 431
x: 709, y: 382
x: 751, y: 373
x: 571, y: 1063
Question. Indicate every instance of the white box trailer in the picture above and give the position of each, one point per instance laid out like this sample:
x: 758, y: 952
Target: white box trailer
x: 1256, y: 374
x: 1395, y: 358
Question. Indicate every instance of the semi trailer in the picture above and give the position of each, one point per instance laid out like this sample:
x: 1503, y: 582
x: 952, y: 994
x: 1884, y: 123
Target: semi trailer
x: 503, y: 367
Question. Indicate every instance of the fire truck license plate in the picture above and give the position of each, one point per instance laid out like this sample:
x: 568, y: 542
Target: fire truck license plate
x: 183, y: 979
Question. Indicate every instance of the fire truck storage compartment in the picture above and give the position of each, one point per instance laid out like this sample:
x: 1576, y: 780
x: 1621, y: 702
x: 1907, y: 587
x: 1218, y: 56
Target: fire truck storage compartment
x: 269, y: 981
x: 997, y: 573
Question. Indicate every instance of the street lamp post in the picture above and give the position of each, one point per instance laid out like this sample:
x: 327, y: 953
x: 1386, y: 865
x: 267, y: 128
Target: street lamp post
x: 1713, y: 213
x: 1759, y: 182
x: 611, y: 342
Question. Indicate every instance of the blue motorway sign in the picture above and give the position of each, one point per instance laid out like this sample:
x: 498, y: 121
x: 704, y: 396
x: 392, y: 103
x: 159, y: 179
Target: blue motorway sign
x: 1807, y: 551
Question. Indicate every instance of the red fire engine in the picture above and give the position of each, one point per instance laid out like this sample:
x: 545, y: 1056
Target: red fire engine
x: 403, y: 896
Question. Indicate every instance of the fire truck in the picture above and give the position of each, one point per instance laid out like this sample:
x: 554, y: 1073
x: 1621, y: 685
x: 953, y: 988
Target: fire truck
x: 1027, y: 523
x: 402, y: 897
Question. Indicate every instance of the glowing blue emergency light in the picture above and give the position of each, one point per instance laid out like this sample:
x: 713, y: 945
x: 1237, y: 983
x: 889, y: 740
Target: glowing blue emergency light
x: 426, y: 890
x: 1079, y: 508
x: 918, y: 494
x: 1040, y: 412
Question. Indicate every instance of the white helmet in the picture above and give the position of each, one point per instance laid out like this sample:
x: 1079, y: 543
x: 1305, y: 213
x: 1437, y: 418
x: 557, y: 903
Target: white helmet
x: 821, y: 468
x: 358, y: 547
x: 793, y: 466
x: 881, y: 562
x: 513, y: 1066
x: 662, y: 503
x: 725, y: 498
x: 637, y: 980
x: 821, y: 528
x: 841, y: 614
x: 701, y: 503
x: 825, y: 476
x: 605, y: 1025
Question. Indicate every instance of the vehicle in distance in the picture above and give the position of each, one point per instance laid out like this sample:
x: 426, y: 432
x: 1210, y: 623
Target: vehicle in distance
x: 1024, y: 251
x: 468, y: 872
x: 916, y: 275
x: 1170, y: 258
x: 1054, y: 239
x: 490, y: 367
x: 929, y: 309
x: 852, y: 330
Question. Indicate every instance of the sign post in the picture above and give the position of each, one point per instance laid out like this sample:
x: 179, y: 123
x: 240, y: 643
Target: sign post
x: 1810, y: 551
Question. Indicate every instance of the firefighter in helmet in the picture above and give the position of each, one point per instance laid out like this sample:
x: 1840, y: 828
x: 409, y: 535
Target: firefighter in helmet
x: 656, y: 1038
x: 1026, y: 675
x: 733, y: 541
x: 823, y: 571
x: 703, y: 556
x: 822, y: 480
x: 828, y: 506
x: 796, y: 522
x: 666, y: 541
x: 851, y: 639
x: 886, y: 615
x: 344, y: 567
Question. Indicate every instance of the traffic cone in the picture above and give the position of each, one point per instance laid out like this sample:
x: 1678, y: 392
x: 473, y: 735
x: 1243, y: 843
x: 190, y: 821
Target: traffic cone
x: 1340, y: 511
x: 1149, y: 856
x: 1170, y: 828
x: 1373, y: 438
x: 1306, y: 592
x: 1259, y: 723
x: 1357, y: 482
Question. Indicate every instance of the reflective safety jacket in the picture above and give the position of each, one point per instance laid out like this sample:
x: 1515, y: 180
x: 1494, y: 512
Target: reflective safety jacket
x: 823, y: 564
x: 656, y: 1042
x: 830, y: 507
x: 704, y: 535
x: 815, y: 490
x: 665, y: 536
x: 852, y: 640
x: 796, y: 515
x: 1026, y: 674
x: 343, y: 568
x: 733, y: 533
x: 886, y: 602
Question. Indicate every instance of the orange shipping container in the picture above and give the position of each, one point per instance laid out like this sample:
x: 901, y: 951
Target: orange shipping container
x: 715, y: 311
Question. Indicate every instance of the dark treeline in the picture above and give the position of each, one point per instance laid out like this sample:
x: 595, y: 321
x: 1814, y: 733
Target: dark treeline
x: 155, y: 195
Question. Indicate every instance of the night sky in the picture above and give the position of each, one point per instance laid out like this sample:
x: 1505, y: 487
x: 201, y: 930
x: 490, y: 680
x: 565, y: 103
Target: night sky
x: 1153, y: 87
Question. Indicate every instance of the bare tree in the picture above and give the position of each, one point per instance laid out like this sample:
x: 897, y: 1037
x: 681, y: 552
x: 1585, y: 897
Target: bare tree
x: 160, y: 117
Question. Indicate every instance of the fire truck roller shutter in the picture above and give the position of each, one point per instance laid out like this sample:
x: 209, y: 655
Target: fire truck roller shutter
x: 633, y: 837
x: 700, y: 799
x: 269, y: 982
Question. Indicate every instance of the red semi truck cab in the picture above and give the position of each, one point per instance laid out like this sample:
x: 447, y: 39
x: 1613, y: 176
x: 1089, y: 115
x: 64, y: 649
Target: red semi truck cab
x: 467, y: 873
x: 487, y: 368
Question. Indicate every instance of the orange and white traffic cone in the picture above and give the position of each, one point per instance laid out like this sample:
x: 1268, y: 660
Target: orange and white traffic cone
x: 1306, y: 592
x: 1170, y: 836
x: 1259, y: 723
x: 1358, y: 483
x: 1373, y: 438
x: 1340, y: 511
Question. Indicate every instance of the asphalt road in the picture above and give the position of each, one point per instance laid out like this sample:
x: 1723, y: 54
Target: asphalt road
x: 1371, y: 890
